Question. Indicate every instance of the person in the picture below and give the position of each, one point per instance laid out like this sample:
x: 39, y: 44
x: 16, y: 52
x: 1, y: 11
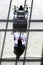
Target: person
x: 19, y: 43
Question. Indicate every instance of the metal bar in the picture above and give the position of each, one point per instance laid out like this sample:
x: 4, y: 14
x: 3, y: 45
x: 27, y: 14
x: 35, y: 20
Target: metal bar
x: 16, y: 62
x: 36, y: 30
x: 11, y: 20
x: 28, y: 31
x: 36, y: 21
x: 24, y: 4
x: 5, y: 20
x: 42, y: 57
x: 20, y: 60
x: 6, y: 28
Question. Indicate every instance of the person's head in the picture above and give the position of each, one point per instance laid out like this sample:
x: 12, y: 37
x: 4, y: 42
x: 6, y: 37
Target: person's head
x: 19, y: 42
x: 21, y: 8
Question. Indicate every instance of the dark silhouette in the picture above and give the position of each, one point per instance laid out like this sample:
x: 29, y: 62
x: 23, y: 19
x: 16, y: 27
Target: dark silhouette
x: 21, y: 8
x: 42, y: 57
x: 19, y: 43
x: 19, y: 49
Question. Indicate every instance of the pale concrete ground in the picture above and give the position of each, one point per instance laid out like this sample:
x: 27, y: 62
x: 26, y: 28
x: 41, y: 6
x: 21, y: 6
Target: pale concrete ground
x: 37, y: 10
x: 4, y: 6
x: 21, y: 63
x: 1, y: 41
x: 35, y: 39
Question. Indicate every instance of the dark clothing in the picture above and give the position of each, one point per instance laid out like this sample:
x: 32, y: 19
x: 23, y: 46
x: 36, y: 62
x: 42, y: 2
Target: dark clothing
x: 21, y: 8
x: 19, y: 50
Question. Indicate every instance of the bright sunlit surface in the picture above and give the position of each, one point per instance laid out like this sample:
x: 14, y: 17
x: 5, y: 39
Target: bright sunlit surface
x: 4, y: 6
x: 37, y: 10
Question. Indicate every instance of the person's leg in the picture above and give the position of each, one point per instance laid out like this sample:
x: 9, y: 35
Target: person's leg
x: 15, y: 50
